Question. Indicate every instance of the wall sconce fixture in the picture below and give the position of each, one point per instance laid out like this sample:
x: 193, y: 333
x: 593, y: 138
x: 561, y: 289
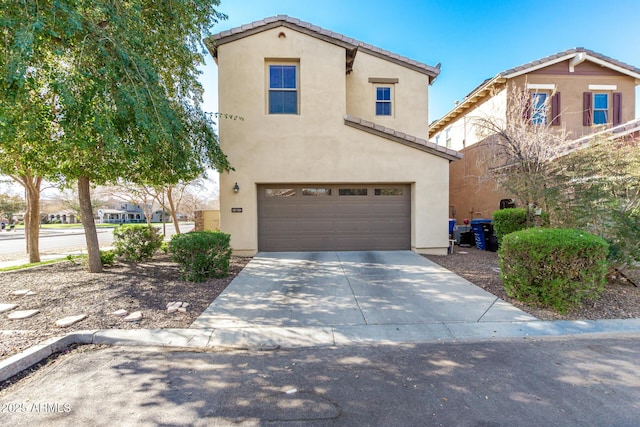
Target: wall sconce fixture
x: 236, y: 188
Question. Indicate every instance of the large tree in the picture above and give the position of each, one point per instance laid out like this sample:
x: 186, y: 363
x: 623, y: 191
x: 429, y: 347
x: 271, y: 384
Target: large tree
x: 122, y: 77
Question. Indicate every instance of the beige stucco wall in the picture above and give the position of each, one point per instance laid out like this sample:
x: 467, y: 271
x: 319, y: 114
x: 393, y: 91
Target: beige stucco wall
x: 314, y: 146
x: 409, y: 110
x: 464, y: 131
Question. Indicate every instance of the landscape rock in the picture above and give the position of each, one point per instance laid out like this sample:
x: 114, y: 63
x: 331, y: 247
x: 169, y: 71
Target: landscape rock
x: 120, y: 312
x: 174, y: 306
x: 23, y: 293
x: 70, y: 320
x: 22, y: 314
x: 7, y: 307
x: 134, y: 317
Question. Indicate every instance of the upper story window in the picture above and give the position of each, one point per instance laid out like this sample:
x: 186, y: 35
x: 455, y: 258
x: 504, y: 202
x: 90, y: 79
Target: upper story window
x: 600, y: 108
x: 447, y: 137
x: 383, y: 101
x: 603, y: 106
x: 539, y: 104
x: 283, y: 89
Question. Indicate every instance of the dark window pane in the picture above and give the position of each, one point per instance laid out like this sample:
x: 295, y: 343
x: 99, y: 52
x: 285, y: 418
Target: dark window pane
x: 316, y: 191
x: 383, y: 108
x: 395, y: 191
x: 283, y: 102
x: 289, y: 76
x: 279, y: 192
x: 352, y: 191
x: 599, y: 117
x: 383, y: 94
x: 275, y: 76
x: 600, y: 101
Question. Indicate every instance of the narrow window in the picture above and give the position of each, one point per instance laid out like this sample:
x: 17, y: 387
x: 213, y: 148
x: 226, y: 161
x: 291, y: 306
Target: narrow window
x: 352, y: 191
x: 283, y: 89
x: 383, y: 101
x: 392, y: 191
x: 539, y: 103
x: 316, y: 192
x: 279, y: 192
x: 600, y: 108
x: 447, y: 137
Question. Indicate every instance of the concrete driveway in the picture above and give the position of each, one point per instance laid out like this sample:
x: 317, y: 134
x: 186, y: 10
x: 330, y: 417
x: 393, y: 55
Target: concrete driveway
x: 351, y: 290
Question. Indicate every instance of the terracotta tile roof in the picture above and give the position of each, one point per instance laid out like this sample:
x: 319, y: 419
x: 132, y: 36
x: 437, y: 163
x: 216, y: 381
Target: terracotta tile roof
x: 485, y: 87
x: 403, y: 138
x: 568, y: 52
x: 305, y: 27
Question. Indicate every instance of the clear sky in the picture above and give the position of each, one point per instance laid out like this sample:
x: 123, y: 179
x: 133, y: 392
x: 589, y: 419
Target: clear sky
x: 473, y: 40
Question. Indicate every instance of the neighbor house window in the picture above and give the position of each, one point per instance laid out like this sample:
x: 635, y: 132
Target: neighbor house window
x: 539, y: 113
x: 600, y: 108
x: 447, y: 137
x: 283, y: 89
x: 383, y: 101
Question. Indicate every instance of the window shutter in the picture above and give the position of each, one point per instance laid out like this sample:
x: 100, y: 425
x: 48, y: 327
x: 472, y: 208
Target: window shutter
x: 555, y: 109
x: 587, y: 109
x: 617, y: 108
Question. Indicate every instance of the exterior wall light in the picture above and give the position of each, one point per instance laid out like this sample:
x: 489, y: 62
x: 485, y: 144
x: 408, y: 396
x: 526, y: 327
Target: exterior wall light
x: 236, y: 188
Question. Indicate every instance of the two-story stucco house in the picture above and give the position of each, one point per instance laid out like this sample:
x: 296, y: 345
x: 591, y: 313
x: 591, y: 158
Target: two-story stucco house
x: 578, y: 91
x: 328, y: 155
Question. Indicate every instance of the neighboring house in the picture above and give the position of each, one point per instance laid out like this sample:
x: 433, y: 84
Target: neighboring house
x: 327, y: 156
x: 580, y: 92
x: 128, y: 213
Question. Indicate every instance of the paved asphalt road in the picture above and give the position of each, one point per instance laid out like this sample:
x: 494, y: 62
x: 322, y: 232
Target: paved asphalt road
x: 52, y: 241
x: 588, y: 381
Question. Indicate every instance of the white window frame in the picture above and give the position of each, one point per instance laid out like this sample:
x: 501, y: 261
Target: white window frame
x: 605, y: 110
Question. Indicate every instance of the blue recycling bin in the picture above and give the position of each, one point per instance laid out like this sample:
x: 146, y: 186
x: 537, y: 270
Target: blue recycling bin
x: 452, y: 226
x: 478, y: 232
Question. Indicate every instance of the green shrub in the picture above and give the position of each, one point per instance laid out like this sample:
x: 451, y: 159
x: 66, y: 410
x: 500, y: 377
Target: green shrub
x: 557, y: 268
x: 201, y: 254
x: 107, y: 257
x: 506, y: 221
x: 136, y: 242
x: 164, y: 247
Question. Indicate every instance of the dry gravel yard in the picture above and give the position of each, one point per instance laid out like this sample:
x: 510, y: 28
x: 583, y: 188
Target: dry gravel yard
x: 67, y: 289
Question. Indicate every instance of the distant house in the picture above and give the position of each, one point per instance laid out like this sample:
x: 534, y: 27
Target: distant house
x: 128, y: 213
x: 577, y: 90
x: 329, y: 154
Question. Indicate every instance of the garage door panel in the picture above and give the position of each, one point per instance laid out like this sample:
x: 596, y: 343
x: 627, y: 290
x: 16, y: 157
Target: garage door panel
x: 379, y: 220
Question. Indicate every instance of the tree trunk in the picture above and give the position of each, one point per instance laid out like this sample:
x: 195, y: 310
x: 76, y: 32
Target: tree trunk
x: 174, y: 214
x: 32, y: 218
x: 93, y: 246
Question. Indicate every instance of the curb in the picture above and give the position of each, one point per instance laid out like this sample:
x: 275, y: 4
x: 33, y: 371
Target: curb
x: 271, y: 338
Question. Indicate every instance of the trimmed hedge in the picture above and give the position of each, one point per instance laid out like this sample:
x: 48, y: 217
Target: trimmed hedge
x: 557, y: 268
x: 201, y: 254
x: 136, y: 242
x: 506, y: 221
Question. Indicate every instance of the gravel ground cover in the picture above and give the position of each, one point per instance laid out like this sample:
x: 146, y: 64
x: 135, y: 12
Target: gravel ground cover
x: 67, y: 289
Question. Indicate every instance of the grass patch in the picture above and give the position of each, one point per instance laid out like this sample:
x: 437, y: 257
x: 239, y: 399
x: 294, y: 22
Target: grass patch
x: 36, y: 264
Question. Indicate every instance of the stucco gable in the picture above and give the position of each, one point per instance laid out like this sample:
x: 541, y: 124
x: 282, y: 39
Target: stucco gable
x: 352, y: 46
x: 402, y: 138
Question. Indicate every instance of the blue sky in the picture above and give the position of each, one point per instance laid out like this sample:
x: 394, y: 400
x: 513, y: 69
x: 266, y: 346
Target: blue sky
x: 473, y: 40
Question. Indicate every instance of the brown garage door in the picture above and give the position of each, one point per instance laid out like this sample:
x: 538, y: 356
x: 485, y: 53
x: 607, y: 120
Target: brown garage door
x: 349, y: 217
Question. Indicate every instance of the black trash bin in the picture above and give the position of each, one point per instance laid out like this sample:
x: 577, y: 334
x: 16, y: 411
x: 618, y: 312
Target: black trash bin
x: 491, y: 241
